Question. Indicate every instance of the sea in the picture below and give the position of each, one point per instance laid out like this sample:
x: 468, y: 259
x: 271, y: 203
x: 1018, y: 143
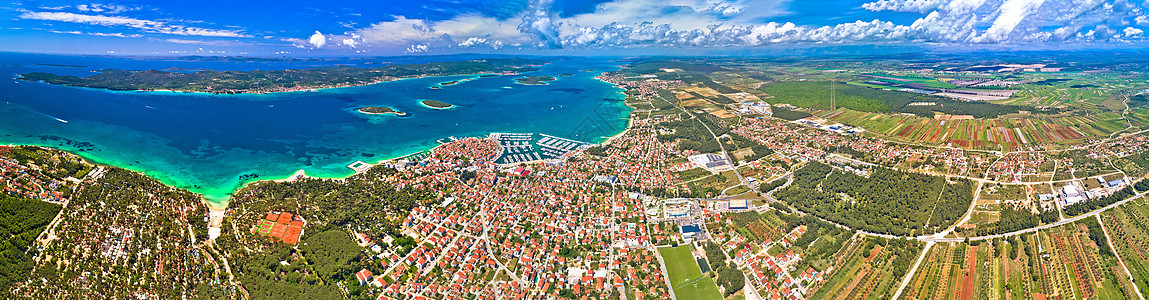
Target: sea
x: 214, y: 144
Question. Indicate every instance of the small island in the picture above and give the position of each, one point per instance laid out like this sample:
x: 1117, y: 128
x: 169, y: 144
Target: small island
x: 488, y: 75
x: 534, y: 80
x: 380, y: 110
x: 566, y: 75
x: 436, y: 104
x: 452, y: 82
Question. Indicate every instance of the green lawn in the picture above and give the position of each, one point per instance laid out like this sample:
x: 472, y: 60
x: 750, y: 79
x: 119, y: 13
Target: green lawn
x: 702, y: 289
x: 685, y: 276
x: 680, y: 264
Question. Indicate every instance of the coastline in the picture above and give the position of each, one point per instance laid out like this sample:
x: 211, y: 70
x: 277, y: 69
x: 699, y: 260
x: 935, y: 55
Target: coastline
x: 286, y: 90
x: 437, y: 108
x: 393, y: 112
x: 219, y: 198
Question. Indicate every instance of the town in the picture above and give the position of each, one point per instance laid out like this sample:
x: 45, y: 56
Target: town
x: 708, y: 194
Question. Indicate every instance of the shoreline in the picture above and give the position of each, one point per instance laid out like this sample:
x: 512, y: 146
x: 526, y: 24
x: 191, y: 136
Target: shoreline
x: 289, y: 90
x: 393, y: 112
x: 437, y: 108
x: 224, y: 203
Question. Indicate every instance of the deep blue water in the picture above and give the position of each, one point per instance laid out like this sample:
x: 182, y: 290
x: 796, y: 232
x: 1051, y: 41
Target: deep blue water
x: 206, y: 143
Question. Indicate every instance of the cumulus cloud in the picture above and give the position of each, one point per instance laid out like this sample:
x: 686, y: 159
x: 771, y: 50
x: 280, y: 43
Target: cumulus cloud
x: 317, y: 40
x: 739, y: 23
x: 540, y: 23
x: 1015, y: 21
x: 1010, y: 14
x: 920, y: 6
x: 480, y: 42
x: 1132, y: 32
x: 417, y: 48
x: 145, y: 25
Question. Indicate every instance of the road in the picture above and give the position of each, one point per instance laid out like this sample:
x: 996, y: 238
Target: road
x: 741, y: 180
x: 910, y: 275
x: 1035, y: 229
x: 1120, y: 262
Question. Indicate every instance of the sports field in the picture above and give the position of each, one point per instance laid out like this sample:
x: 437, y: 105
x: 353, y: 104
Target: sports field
x: 685, y: 277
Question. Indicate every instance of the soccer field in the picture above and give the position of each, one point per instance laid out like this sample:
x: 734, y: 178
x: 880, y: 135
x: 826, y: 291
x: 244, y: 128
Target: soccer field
x: 685, y: 276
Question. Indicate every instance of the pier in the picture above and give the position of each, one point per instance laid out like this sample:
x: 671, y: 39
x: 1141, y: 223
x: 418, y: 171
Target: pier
x: 526, y: 147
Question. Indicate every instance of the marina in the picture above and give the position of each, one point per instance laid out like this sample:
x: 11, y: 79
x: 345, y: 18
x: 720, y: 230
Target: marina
x: 527, y: 147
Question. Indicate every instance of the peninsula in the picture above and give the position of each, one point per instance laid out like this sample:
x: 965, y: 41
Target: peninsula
x: 288, y: 80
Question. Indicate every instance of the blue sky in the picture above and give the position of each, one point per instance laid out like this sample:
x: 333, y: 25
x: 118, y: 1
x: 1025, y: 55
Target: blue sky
x: 312, y: 28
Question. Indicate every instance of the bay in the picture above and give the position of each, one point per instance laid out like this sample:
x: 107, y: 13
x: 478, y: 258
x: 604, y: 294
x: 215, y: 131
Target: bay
x: 214, y: 144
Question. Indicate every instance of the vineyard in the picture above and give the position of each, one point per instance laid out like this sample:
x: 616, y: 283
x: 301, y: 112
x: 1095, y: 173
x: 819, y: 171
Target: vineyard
x: 870, y: 268
x: 1060, y: 263
x: 979, y: 133
x: 1128, y: 226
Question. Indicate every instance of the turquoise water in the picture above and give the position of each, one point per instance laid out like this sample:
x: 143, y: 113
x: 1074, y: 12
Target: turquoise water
x: 213, y: 144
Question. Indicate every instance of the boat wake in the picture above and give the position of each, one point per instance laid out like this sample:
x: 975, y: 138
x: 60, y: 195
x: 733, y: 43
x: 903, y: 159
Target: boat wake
x: 37, y: 112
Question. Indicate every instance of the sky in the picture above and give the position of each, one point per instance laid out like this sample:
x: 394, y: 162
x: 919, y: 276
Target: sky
x: 561, y: 27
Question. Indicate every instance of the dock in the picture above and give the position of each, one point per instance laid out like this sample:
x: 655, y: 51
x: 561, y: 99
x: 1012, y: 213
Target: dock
x: 526, y: 147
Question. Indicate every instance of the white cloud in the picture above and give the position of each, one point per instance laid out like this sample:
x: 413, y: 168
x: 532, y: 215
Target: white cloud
x: 317, y: 40
x: 1010, y: 14
x: 116, y: 34
x: 477, y: 42
x: 417, y: 48
x: 920, y: 6
x: 721, y: 23
x: 145, y: 25
x: 539, y: 21
x: 1133, y: 32
x: 204, y: 43
x: 104, y: 8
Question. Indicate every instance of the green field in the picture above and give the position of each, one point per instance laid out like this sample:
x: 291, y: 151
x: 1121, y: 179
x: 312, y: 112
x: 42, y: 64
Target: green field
x: 685, y: 276
x: 701, y: 289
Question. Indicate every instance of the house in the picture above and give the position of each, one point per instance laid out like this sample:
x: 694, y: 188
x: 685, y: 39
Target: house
x: 364, y: 276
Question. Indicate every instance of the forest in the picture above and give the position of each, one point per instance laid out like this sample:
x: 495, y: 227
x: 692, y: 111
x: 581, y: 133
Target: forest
x: 788, y: 114
x: 726, y: 275
x: 21, y: 220
x: 692, y: 135
x: 1011, y: 219
x: 328, y: 253
x: 325, y: 258
x: 887, y: 202
x: 816, y: 94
